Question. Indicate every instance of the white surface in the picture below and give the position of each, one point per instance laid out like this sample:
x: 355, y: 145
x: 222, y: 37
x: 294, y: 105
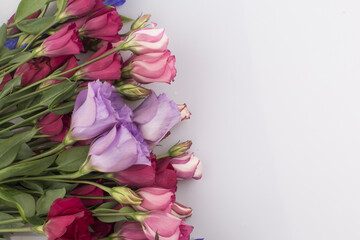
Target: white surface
x: 274, y: 91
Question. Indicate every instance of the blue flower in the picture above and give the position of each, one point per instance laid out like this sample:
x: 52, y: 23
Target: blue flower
x: 114, y: 3
x: 11, y: 43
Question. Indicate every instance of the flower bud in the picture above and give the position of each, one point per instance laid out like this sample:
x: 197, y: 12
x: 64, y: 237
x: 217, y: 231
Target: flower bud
x: 64, y: 42
x: 146, y: 40
x: 133, y: 92
x: 125, y: 195
x: 179, y: 149
x: 81, y: 8
x: 184, y: 111
x: 180, y: 210
x: 187, y: 166
x: 140, y: 22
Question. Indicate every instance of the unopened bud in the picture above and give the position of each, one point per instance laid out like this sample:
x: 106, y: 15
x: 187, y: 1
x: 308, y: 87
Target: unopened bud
x: 181, y: 211
x: 179, y: 149
x: 125, y: 195
x: 184, y: 111
x: 133, y: 92
x: 140, y: 22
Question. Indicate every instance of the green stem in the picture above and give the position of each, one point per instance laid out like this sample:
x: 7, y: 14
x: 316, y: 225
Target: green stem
x: 17, y: 65
x: 20, y: 114
x: 13, y: 230
x: 53, y: 151
x: 18, y: 219
x: 15, y: 35
x: 55, y: 178
x: 89, y: 197
x: 162, y: 156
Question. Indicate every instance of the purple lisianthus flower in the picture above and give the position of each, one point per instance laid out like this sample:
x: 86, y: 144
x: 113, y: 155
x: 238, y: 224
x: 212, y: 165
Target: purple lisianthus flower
x: 114, y: 3
x: 119, y: 149
x: 155, y: 116
x: 11, y: 43
x: 97, y: 109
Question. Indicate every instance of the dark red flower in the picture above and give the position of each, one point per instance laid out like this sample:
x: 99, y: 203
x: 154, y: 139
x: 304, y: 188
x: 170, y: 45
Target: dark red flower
x: 101, y: 229
x: 90, y: 191
x: 55, y: 125
x: 138, y: 175
x: 165, y: 174
x: 68, y: 219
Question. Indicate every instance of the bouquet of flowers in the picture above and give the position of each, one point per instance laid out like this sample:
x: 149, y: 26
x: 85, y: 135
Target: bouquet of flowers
x: 76, y: 161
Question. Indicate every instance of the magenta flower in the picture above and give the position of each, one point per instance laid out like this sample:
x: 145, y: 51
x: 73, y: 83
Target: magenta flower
x: 80, y: 8
x: 185, y: 231
x: 164, y: 224
x: 107, y: 68
x: 97, y: 109
x: 187, y: 166
x: 155, y: 198
x: 138, y: 175
x: 119, y: 149
x: 104, y: 24
x: 132, y: 231
x: 155, y: 116
x: 152, y: 67
x: 64, y: 42
x: 147, y: 40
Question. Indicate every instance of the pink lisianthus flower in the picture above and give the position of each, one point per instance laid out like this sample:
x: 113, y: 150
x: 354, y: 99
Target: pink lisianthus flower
x: 132, y: 231
x: 146, y: 40
x: 155, y: 198
x: 151, y: 67
x: 187, y: 166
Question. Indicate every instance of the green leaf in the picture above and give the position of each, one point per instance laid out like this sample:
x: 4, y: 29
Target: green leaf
x: 64, y: 108
x: 26, y: 168
x: 56, y: 185
x: 36, y: 221
x: 24, y: 202
x: 108, y: 205
x: 20, y: 57
x: 45, y: 201
x: 28, y: 7
x: 110, y: 219
x: 4, y: 217
x: 58, y: 93
x: 125, y: 19
x: 7, y: 54
x: 71, y: 159
x: 34, y: 186
x: 9, y: 87
x: 36, y: 25
x: 3, y: 29
x: 24, y: 152
x: 10, y: 147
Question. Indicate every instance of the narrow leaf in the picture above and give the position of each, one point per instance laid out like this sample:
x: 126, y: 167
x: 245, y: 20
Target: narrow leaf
x: 20, y: 57
x: 125, y: 19
x: 3, y: 29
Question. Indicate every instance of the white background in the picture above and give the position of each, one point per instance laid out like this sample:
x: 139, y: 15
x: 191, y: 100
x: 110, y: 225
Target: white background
x: 274, y: 91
